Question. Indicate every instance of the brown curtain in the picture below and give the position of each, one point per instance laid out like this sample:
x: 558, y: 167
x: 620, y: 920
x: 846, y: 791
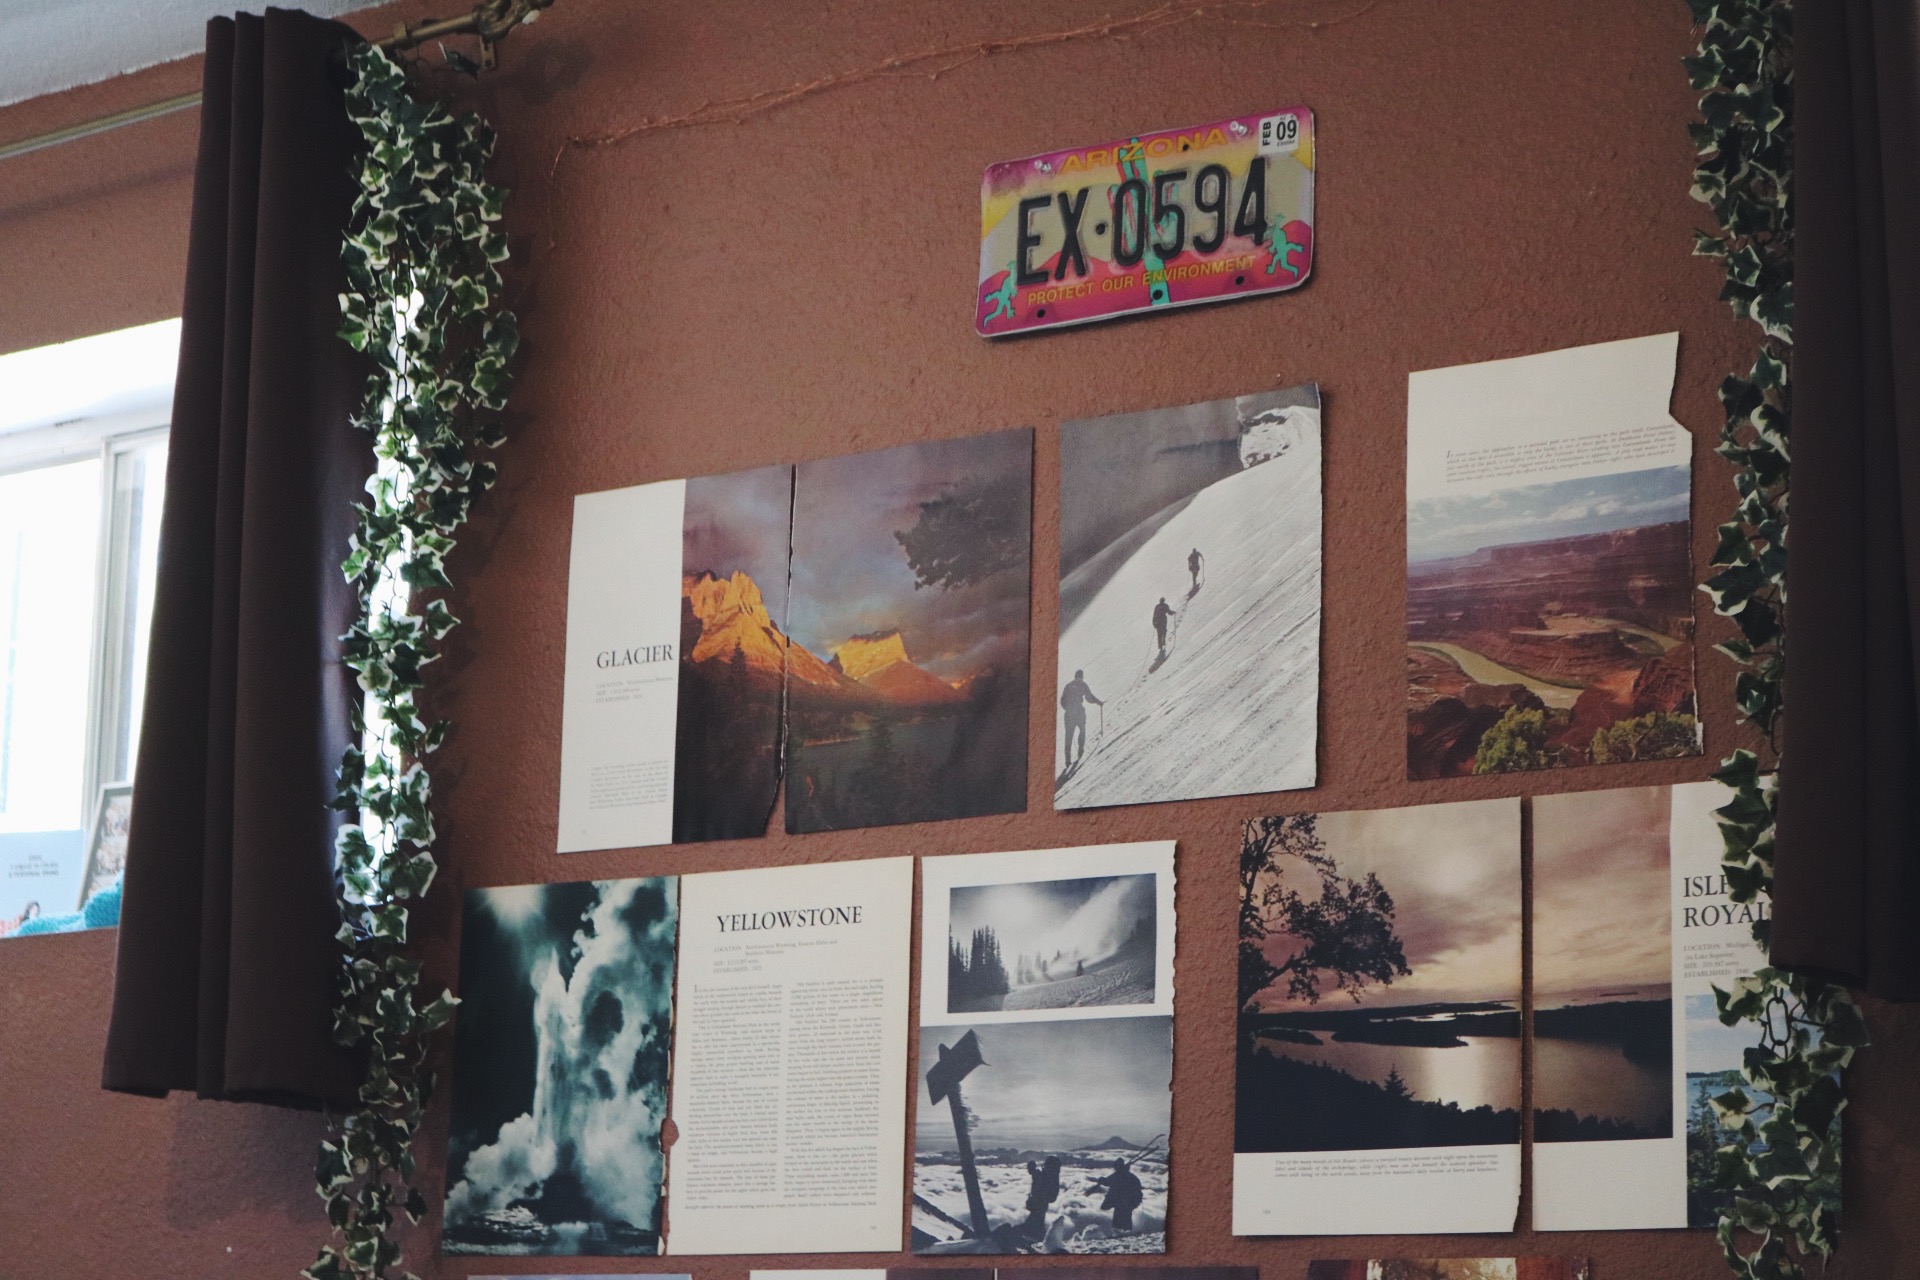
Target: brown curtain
x: 226, y: 968
x: 1847, y: 875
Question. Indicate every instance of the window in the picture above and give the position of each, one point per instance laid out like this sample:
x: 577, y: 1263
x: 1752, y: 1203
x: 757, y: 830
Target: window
x: 49, y: 536
x: 83, y: 452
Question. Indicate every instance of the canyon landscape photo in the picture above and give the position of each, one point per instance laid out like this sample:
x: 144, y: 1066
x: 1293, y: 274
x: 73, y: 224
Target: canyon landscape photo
x: 907, y: 663
x: 1551, y: 625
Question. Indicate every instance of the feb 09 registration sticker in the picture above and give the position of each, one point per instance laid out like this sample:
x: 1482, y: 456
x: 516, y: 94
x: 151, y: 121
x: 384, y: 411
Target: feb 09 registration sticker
x: 1158, y: 220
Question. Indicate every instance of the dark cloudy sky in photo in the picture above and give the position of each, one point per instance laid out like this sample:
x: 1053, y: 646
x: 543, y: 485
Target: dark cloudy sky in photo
x: 1095, y: 912
x: 1454, y: 873
x: 1118, y: 470
x: 851, y: 577
x: 1441, y: 527
x: 1055, y: 1085
x: 740, y: 522
x: 1602, y: 890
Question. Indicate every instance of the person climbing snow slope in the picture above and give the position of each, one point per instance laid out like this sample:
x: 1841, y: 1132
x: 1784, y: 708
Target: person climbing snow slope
x: 1073, y: 700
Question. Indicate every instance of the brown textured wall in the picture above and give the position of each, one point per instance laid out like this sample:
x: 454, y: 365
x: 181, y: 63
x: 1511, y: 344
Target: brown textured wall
x: 1496, y: 177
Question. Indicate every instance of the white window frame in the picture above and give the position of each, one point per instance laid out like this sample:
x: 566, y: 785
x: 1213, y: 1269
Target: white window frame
x: 109, y: 437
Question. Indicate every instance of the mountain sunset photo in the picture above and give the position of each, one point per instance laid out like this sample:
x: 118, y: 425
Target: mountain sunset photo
x: 907, y: 662
x: 733, y: 655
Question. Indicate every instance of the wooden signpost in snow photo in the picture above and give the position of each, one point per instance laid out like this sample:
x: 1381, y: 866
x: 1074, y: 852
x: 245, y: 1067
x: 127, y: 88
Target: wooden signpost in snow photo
x: 943, y: 1081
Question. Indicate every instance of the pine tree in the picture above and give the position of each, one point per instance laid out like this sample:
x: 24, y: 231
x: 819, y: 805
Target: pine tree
x: 959, y: 980
x: 1396, y: 1087
x: 987, y: 971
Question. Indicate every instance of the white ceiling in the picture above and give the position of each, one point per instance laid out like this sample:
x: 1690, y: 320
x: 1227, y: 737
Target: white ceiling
x: 50, y: 45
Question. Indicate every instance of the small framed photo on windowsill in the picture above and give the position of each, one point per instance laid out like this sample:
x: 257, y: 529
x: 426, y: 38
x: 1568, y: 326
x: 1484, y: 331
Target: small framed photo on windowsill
x: 107, y: 840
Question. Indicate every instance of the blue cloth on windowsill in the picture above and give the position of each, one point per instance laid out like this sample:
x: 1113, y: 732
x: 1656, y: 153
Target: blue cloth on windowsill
x: 101, y: 912
x: 68, y: 923
x: 103, y: 908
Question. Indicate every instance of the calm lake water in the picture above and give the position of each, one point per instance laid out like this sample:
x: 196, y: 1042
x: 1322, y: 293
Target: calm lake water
x: 1593, y: 1078
x: 924, y: 742
x: 1485, y: 1071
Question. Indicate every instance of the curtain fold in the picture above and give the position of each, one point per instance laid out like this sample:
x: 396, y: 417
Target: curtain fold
x: 227, y: 961
x: 1847, y: 869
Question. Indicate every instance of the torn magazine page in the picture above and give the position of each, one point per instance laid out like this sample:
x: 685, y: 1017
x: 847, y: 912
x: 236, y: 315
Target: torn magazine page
x: 1549, y: 581
x: 675, y: 661
x: 1046, y: 1052
x: 1632, y: 931
x: 790, y: 1059
x: 907, y: 677
x: 1378, y: 1075
x: 1189, y: 628
x: 560, y: 1069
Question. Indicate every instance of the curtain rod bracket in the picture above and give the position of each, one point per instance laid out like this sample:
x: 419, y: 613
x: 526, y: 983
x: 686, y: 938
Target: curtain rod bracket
x: 490, y: 20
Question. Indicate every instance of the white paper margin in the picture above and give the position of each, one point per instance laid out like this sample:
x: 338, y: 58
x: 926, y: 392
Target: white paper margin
x: 938, y: 876
x: 1555, y: 398
x: 1375, y: 1193
x: 623, y: 591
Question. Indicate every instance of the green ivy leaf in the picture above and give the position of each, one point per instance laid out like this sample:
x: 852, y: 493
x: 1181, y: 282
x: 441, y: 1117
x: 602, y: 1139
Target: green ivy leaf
x: 421, y: 260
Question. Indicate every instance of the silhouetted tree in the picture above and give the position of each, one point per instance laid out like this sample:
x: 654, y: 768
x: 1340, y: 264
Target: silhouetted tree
x: 986, y: 971
x: 977, y: 528
x: 976, y: 973
x: 1343, y: 934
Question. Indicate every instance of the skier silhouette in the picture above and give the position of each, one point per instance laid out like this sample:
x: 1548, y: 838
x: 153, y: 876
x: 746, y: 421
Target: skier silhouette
x: 1124, y: 1194
x: 1073, y: 700
x: 1195, y: 562
x: 1161, y: 612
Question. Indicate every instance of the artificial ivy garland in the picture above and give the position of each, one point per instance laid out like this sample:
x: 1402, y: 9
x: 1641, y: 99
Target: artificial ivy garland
x: 1779, y: 1158
x: 422, y: 257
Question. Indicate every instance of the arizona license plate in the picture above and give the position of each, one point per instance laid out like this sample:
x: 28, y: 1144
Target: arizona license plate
x: 1160, y: 220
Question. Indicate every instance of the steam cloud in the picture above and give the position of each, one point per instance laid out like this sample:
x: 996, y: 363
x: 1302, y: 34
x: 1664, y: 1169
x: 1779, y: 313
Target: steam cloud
x: 589, y: 1148
x: 1100, y: 926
